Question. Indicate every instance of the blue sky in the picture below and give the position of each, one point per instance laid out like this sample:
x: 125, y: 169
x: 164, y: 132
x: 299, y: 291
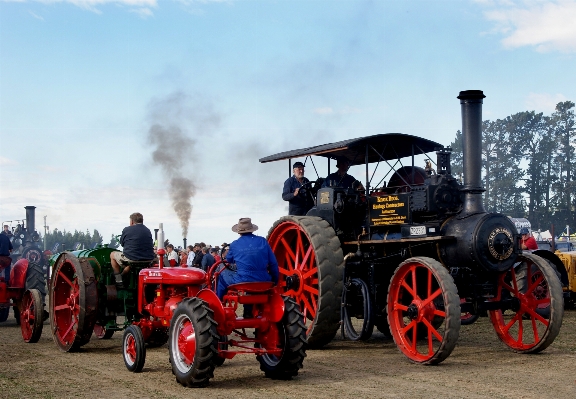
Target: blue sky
x: 82, y: 82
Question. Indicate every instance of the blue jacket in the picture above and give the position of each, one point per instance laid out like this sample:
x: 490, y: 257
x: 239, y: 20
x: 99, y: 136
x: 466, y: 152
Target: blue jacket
x: 300, y: 204
x: 254, y: 259
x: 137, y: 242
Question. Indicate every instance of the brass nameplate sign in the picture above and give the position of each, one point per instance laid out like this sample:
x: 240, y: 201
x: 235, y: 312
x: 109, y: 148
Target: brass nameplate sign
x: 388, y: 209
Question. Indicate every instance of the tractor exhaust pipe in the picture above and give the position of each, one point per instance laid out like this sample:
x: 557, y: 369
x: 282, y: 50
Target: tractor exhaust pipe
x: 471, y: 104
x: 30, y: 222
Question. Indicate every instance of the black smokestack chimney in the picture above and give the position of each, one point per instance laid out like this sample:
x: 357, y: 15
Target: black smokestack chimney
x: 471, y: 103
x: 30, y: 221
x: 185, y: 242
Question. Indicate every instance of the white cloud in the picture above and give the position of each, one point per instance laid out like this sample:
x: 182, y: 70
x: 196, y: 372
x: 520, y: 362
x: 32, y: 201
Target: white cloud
x: 331, y: 111
x: 324, y: 111
x: 140, y: 7
x: 546, y: 26
x: 544, y: 102
x: 7, y: 161
x: 142, y: 12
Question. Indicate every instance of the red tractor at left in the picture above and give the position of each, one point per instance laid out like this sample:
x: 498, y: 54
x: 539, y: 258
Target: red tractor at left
x: 23, y: 280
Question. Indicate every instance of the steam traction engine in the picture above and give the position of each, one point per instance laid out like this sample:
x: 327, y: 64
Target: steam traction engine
x: 23, y: 283
x: 413, y: 255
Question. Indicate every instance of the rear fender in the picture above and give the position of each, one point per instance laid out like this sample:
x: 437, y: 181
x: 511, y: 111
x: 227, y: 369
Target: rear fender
x: 18, y: 274
x: 555, y: 260
x: 213, y: 301
x: 277, y: 306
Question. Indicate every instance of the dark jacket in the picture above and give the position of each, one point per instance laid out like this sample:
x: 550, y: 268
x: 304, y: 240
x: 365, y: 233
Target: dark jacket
x: 300, y: 204
x: 197, y: 262
x: 207, y: 261
x: 137, y: 242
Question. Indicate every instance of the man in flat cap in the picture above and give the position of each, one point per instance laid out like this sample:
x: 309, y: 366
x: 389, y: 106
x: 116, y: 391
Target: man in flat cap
x: 253, y: 257
x: 299, y: 199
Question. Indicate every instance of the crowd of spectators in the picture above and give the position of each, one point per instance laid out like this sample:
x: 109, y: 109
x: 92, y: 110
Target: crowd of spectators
x: 198, y: 255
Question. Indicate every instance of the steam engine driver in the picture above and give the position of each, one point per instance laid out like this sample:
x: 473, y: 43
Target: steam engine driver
x: 137, y: 245
x: 253, y: 257
x: 341, y: 178
x: 528, y: 242
x: 299, y: 199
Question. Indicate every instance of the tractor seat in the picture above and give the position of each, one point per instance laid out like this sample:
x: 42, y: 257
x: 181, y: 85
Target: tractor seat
x: 253, y: 287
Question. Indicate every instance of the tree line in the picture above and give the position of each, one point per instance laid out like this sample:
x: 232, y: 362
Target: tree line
x: 67, y: 240
x: 529, y: 166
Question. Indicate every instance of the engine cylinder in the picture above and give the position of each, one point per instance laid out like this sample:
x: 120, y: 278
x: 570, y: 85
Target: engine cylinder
x: 484, y: 240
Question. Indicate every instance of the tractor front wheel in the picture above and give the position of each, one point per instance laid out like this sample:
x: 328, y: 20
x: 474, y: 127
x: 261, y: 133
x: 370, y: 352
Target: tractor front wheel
x: 423, y: 310
x: 31, y: 316
x: 192, y: 343
x: 536, y: 315
x: 292, y: 341
x: 312, y: 264
x: 133, y: 349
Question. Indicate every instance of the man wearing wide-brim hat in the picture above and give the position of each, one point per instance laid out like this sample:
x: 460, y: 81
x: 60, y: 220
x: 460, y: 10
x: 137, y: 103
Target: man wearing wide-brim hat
x: 299, y: 199
x: 253, y: 257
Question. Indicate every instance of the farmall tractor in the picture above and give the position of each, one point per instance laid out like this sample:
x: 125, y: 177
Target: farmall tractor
x: 413, y: 251
x: 23, y: 283
x: 172, y: 304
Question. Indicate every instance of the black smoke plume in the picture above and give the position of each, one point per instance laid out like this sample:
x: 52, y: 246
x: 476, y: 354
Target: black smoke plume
x: 174, y: 121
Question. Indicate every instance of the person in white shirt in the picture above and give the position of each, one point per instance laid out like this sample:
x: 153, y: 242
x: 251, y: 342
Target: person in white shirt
x: 191, y: 254
x: 172, y: 255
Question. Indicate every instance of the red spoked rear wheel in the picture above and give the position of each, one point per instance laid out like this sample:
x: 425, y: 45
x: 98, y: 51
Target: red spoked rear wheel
x: 537, y: 305
x: 73, y: 302
x: 423, y: 310
x: 31, y: 316
x: 310, y: 259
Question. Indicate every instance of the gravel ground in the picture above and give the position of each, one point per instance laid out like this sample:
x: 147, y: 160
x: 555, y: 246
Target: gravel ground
x: 479, y: 367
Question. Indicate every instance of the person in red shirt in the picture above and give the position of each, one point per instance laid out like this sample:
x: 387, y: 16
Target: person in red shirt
x: 528, y: 242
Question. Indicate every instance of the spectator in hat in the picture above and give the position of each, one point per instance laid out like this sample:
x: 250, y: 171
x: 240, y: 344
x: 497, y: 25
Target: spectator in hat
x: 197, y: 262
x: 183, y: 257
x: 341, y: 178
x: 528, y: 242
x: 299, y: 198
x: 253, y: 257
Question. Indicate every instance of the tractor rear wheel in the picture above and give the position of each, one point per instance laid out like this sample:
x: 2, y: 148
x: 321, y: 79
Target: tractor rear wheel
x: 31, y: 316
x: 423, y: 310
x: 536, y: 319
x: 292, y: 341
x: 73, y: 302
x: 133, y: 349
x: 310, y: 257
x: 357, y: 312
x: 192, y: 343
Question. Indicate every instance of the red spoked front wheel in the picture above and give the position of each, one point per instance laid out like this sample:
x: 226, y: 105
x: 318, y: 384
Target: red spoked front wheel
x: 31, y: 316
x: 73, y: 302
x: 534, y: 316
x: 311, y: 263
x: 423, y: 310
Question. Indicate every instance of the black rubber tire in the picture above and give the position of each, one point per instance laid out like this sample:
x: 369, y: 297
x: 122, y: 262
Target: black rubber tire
x: 32, y: 325
x: 158, y: 338
x: 16, y: 314
x: 356, y: 302
x: 552, y: 288
x: 4, y: 314
x: 36, y: 279
x: 448, y: 301
x: 133, y: 337
x: 293, y: 338
x: 219, y: 360
x: 201, y: 317
x: 330, y: 264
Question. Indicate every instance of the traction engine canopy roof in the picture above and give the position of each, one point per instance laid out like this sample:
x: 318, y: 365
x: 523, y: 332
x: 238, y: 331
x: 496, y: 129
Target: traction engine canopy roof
x: 385, y: 146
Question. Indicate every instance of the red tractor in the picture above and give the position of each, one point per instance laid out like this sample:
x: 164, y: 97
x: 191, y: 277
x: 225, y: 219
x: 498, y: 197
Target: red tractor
x: 23, y: 282
x: 25, y: 291
x: 200, y: 325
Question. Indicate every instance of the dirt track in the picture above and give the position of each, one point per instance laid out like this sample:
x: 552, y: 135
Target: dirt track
x: 479, y: 367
